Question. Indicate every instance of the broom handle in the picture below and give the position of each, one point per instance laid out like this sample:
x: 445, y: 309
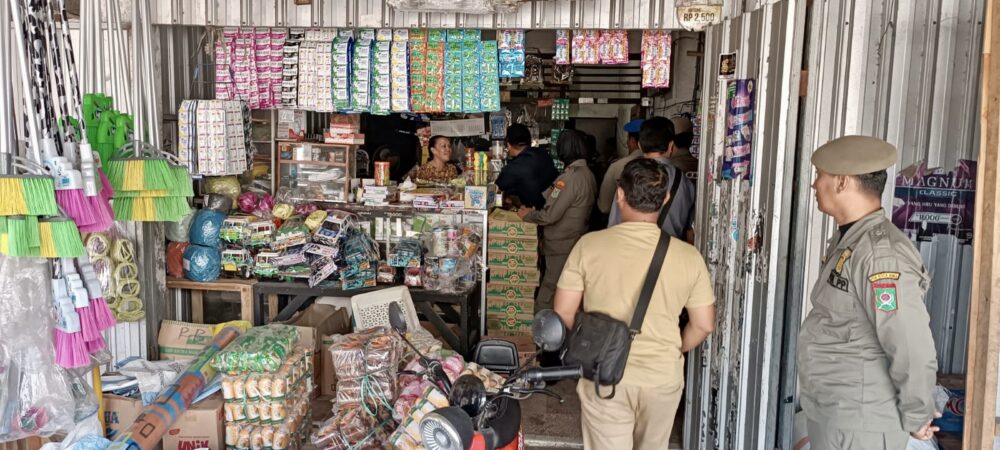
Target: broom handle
x: 22, y: 53
x: 151, y: 93
x: 74, y: 82
x: 120, y: 49
x: 7, y: 135
x: 137, y: 77
x: 61, y: 88
x: 36, y: 45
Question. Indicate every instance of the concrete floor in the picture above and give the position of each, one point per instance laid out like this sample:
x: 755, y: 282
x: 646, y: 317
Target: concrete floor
x: 551, y: 425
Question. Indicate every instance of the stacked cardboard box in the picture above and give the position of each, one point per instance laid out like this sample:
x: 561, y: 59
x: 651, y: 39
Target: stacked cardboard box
x: 512, y: 257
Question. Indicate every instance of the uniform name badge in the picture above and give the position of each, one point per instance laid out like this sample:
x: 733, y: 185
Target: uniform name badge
x: 885, y: 296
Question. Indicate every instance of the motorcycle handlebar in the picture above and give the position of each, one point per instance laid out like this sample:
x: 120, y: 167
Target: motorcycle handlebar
x: 552, y: 373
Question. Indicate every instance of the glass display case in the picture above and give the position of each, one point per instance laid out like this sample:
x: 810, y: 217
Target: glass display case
x: 316, y: 172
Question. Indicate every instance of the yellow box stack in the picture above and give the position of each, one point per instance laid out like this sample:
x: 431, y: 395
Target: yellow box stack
x: 512, y: 257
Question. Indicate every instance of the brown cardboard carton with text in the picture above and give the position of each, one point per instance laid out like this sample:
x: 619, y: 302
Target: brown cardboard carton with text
x: 202, y: 426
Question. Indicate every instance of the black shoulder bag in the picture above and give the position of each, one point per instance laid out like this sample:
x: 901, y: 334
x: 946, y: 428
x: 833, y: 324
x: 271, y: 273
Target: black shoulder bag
x: 600, y: 344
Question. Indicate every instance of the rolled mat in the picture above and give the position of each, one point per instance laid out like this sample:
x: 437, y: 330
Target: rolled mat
x: 147, y: 430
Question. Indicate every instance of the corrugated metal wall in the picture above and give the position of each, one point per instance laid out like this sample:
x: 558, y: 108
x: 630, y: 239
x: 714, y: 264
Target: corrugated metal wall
x: 607, y: 14
x: 733, y: 378
x: 906, y: 71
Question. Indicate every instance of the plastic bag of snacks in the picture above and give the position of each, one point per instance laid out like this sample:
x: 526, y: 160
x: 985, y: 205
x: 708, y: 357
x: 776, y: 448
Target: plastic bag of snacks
x: 407, y: 435
x: 352, y: 429
x: 228, y: 186
x: 365, y: 363
x: 262, y: 349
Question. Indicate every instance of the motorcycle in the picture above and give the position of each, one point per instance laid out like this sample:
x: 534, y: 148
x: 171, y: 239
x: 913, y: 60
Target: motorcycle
x: 477, y: 419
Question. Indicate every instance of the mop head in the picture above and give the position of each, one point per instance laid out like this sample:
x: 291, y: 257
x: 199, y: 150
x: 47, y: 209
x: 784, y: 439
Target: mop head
x: 30, y: 195
x: 77, y: 206
x: 71, y: 351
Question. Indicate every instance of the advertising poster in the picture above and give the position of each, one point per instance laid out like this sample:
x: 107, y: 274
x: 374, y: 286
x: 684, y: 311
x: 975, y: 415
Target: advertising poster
x: 929, y: 202
x: 739, y: 129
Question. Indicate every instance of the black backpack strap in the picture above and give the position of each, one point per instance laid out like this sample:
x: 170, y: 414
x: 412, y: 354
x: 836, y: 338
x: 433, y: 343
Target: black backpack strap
x: 673, y: 194
x: 647, y: 286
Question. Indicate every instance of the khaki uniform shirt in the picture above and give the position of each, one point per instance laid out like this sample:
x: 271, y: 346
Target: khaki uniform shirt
x: 866, y: 358
x: 568, y: 204
x: 610, y: 265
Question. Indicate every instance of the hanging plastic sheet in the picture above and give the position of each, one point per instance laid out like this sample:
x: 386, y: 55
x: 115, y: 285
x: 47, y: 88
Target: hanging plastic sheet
x: 36, y: 397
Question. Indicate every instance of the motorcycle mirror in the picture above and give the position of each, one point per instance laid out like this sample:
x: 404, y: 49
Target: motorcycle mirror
x: 447, y: 429
x: 548, y: 331
x: 396, y: 318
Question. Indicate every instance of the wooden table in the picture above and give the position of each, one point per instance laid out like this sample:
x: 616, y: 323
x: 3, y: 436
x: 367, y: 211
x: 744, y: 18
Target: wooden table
x: 441, y: 310
x: 245, y: 288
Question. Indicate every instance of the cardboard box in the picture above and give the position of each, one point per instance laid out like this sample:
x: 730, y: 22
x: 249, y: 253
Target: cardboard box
x: 478, y: 197
x: 503, y: 325
x: 327, y: 380
x: 314, y: 324
x: 523, y: 277
x: 119, y: 413
x: 503, y: 291
x: 183, y: 341
x: 506, y: 224
x: 512, y: 246
x: 525, y: 347
x: 513, y: 308
x: 508, y: 261
x: 202, y: 426
x: 509, y: 317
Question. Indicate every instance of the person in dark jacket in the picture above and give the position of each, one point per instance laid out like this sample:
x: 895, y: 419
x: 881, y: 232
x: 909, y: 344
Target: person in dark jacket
x: 528, y: 173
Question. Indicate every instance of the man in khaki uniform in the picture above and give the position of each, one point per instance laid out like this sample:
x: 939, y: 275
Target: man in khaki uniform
x: 566, y: 214
x: 604, y: 273
x: 609, y: 185
x: 866, y: 358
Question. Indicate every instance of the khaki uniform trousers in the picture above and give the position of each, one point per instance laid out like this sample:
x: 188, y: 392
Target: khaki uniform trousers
x: 637, y: 418
x: 822, y: 437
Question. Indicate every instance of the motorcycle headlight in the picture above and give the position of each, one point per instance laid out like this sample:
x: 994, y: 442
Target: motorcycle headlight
x: 446, y: 429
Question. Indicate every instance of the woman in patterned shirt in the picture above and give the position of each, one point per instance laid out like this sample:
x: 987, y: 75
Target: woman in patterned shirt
x: 439, y: 169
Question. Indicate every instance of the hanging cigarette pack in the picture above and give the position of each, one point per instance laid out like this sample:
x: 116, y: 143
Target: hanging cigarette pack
x: 470, y: 76
x: 454, y: 52
x: 341, y: 65
x: 381, y: 78
x: 434, y: 85
x: 418, y: 71
x: 290, y: 68
x: 400, y: 87
x: 361, y: 75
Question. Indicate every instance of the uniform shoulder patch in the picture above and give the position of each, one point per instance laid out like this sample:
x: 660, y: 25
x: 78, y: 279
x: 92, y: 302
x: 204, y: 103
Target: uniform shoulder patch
x: 885, y: 296
x: 559, y: 184
x: 882, y: 276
